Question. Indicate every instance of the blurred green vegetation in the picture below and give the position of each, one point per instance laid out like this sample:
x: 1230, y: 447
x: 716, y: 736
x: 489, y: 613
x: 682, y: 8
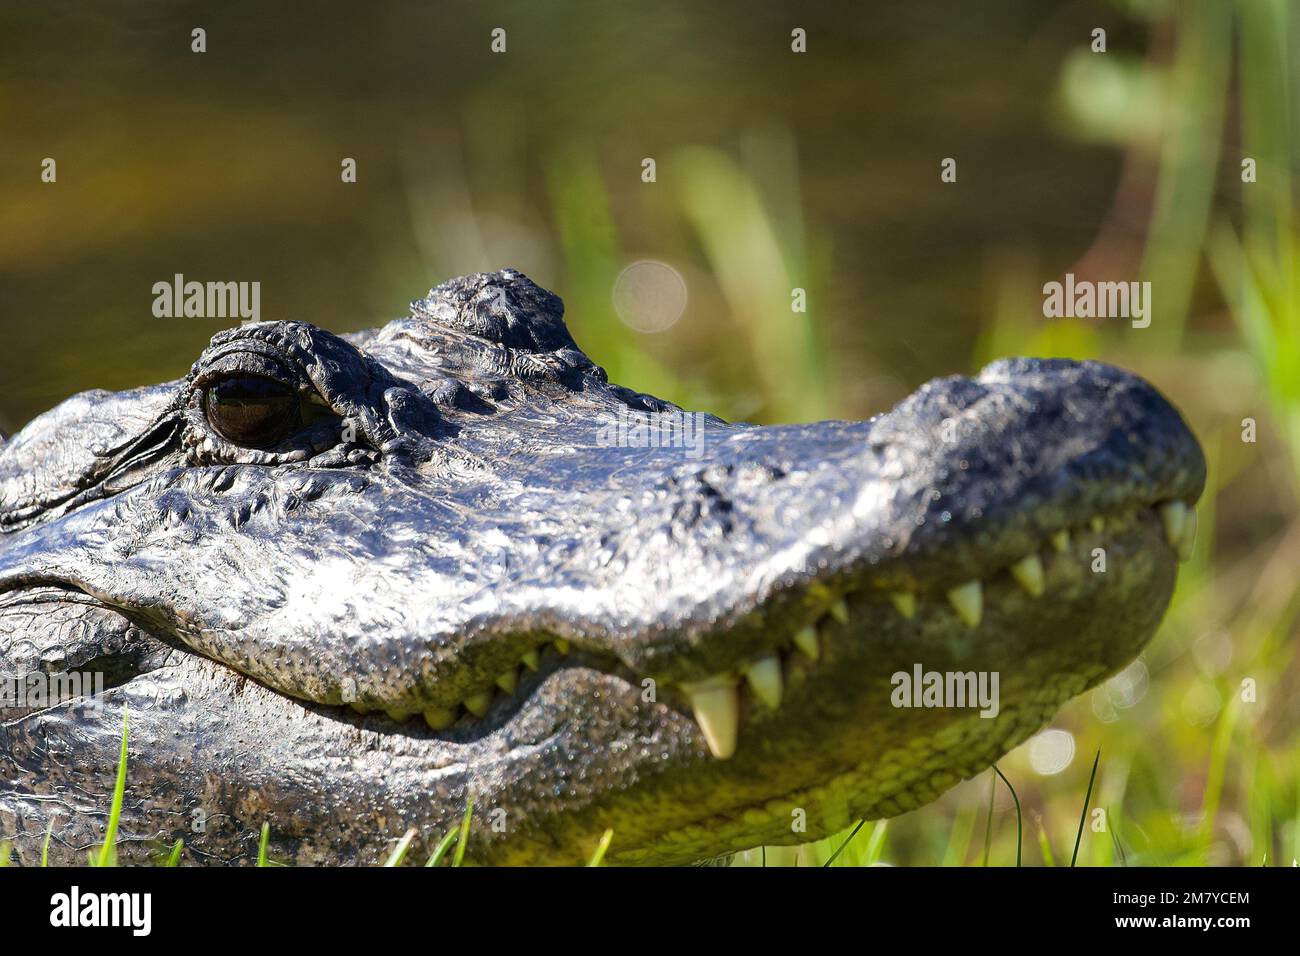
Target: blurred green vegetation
x: 774, y: 171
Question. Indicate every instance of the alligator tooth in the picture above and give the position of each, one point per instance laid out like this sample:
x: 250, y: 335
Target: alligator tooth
x: 1097, y: 523
x: 477, y: 704
x: 840, y: 611
x: 1173, y: 515
x: 968, y: 601
x: 716, y: 704
x: 562, y: 645
x: 904, y: 603
x: 440, y: 718
x: 764, y: 677
x: 532, y: 660
x: 361, y: 709
x: 1061, y: 540
x: 509, y: 680
x: 1028, y: 572
x: 806, y: 640
x: 401, y: 716
x: 1188, y: 540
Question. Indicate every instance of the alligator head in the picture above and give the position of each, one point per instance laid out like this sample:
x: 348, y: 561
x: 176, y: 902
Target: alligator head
x: 345, y: 585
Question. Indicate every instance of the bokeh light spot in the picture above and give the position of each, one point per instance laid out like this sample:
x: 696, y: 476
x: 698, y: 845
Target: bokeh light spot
x: 649, y: 296
x: 1051, y: 751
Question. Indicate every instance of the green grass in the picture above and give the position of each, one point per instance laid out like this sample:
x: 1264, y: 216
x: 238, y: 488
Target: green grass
x: 174, y: 858
x: 403, y: 845
x: 1020, y: 823
x: 845, y: 845
x: 1083, y: 814
x: 598, y: 857
x: 462, y: 841
x: 107, y: 853
x: 45, y: 844
x: 441, y: 851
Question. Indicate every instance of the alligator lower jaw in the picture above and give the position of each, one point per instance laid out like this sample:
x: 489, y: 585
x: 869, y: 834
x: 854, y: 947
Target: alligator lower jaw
x: 887, y: 784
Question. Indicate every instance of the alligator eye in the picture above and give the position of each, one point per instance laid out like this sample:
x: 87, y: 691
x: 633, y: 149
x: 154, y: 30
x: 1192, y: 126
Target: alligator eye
x: 251, y: 410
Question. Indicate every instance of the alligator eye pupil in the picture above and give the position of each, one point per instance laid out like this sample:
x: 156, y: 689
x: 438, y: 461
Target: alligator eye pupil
x: 250, y: 410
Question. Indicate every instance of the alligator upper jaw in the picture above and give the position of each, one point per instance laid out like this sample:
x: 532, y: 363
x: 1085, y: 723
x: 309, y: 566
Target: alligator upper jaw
x: 414, y: 591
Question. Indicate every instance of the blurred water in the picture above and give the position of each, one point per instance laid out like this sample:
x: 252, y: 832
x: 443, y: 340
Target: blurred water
x: 226, y: 166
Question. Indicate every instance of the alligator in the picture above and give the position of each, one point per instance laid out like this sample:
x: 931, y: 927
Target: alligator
x: 350, y: 585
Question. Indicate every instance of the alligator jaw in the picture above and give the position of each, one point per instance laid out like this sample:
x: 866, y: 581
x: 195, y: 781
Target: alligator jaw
x: 834, y: 750
x: 484, y: 598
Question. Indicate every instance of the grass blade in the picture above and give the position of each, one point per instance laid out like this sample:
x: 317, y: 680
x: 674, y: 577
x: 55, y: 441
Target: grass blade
x: 988, y: 824
x: 1083, y: 814
x: 452, y: 835
x: 875, y: 844
x: 108, y: 852
x: 1044, y: 842
x: 45, y: 846
x: 958, y: 844
x: 1019, y: 822
x: 399, y: 852
x: 844, y: 844
x: 1114, y: 837
x: 263, y: 841
x: 598, y: 858
x: 174, y: 859
x: 1219, y: 751
x: 464, y: 833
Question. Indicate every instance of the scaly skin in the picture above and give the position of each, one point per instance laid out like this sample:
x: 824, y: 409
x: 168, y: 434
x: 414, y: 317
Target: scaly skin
x: 278, y: 620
